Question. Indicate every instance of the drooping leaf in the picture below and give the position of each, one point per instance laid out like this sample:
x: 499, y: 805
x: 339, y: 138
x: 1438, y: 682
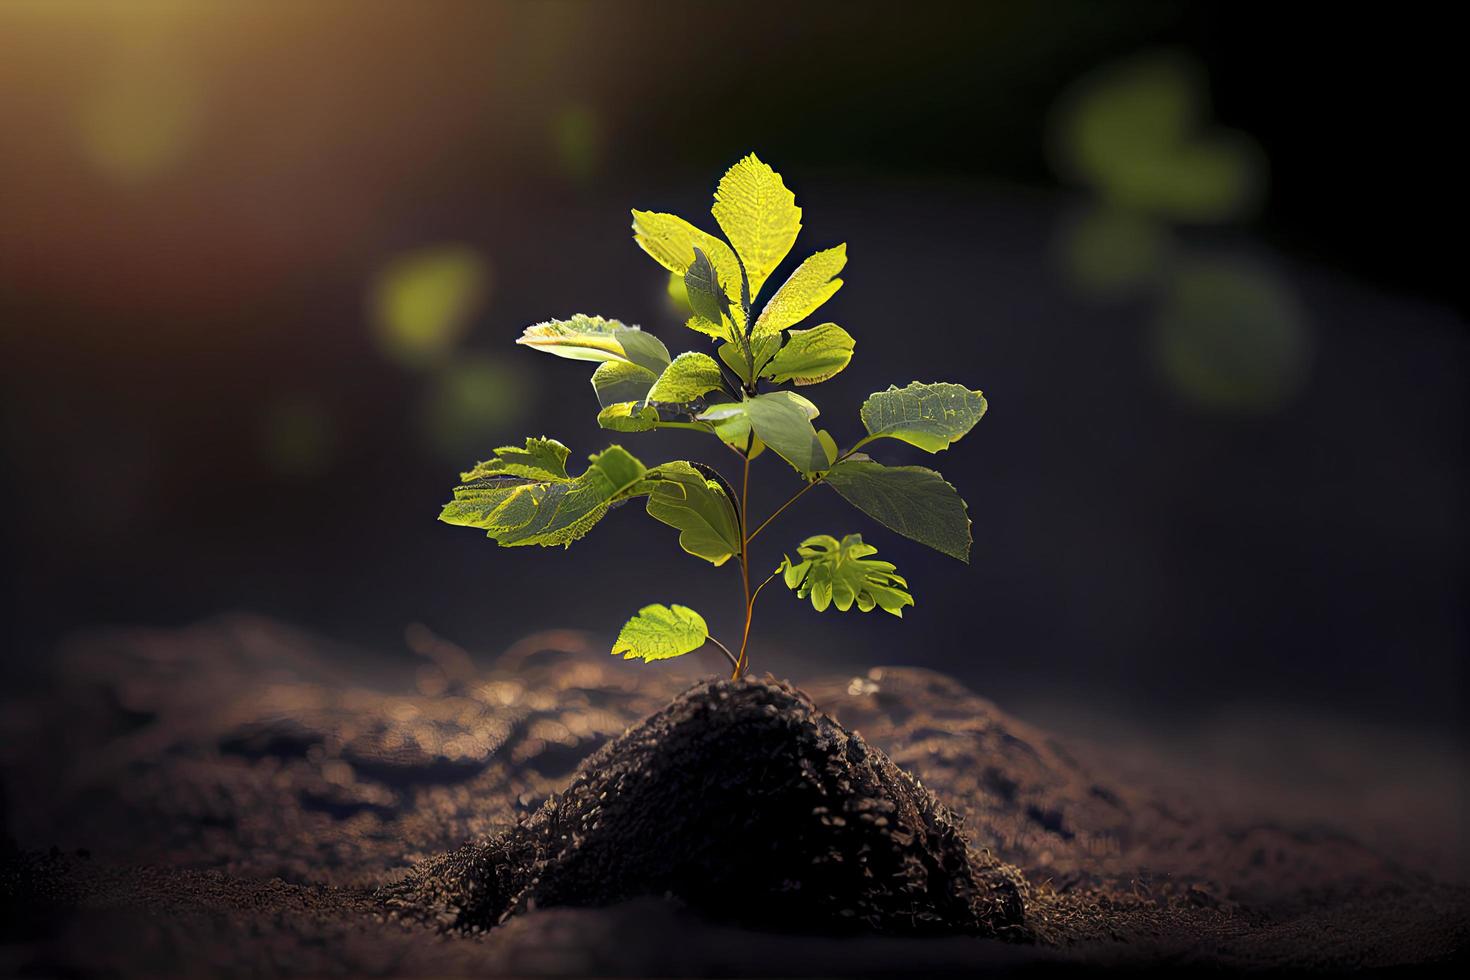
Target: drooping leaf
x: 671, y: 240
x: 687, y: 377
x: 628, y: 417
x: 621, y: 381
x: 661, y: 633
x: 541, y: 459
x: 682, y: 497
x: 782, y: 420
x: 913, y: 500
x: 811, y: 285
x: 842, y: 573
x: 702, y: 286
x: 930, y: 416
x: 811, y: 355
x: 594, y: 338
x: 518, y: 511
x: 759, y: 216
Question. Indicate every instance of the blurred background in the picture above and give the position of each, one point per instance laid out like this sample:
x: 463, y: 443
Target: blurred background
x: 262, y: 266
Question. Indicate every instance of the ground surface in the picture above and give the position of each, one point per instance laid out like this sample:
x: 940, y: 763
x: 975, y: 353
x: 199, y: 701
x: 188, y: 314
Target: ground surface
x: 230, y: 799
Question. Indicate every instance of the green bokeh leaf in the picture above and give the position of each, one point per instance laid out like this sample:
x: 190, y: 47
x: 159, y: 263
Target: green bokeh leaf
x: 913, y: 500
x: 930, y: 416
x: 683, y: 497
x: 661, y: 633
x: 811, y: 356
x: 843, y: 574
x: 811, y: 285
x: 517, y: 511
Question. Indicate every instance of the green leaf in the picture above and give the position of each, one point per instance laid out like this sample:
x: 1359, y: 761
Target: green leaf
x: 683, y: 497
x: 707, y: 299
x: 542, y: 459
x: 671, y: 241
x: 913, y: 500
x: 621, y: 381
x: 811, y: 355
x: 842, y: 574
x: 930, y: 416
x: 595, y: 338
x: 762, y: 350
x: 518, y: 511
x: 661, y: 633
x: 759, y: 216
x: 782, y: 420
x: 689, y: 376
x: 628, y: 417
x: 811, y: 285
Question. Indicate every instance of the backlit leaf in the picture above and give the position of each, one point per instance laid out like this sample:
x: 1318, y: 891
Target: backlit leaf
x: 759, y: 216
x: 689, y: 376
x: 811, y: 355
x: 913, y: 500
x: 703, y: 289
x: 682, y: 497
x: 541, y: 459
x: 843, y: 574
x: 811, y: 285
x: 628, y: 417
x: 930, y: 416
x: 762, y: 349
x: 595, y: 338
x: 661, y: 633
x: 671, y: 240
x: 782, y: 420
x: 518, y: 511
x: 621, y: 381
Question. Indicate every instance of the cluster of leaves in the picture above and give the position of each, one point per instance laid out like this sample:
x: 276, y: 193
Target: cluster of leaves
x: 525, y: 495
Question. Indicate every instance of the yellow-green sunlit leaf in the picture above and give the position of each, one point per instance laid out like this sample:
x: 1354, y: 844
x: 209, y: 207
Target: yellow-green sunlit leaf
x: 671, y: 241
x: 811, y: 356
x: 594, y: 338
x: 758, y: 215
x: 541, y: 459
x: 930, y: 416
x: 687, y: 377
x: 913, y: 500
x: 844, y: 574
x: 628, y: 417
x: 782, y: 420
x: 811, y: 285
x: 616, y: 382
x: 661, y: 633
x: 682, y: 497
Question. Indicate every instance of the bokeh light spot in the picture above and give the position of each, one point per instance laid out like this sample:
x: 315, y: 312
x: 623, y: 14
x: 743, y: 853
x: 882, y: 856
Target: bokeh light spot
x: 578, y: 136
x: 298, y: 439
x: 1109, y: 252
x: 139, y: 122
x: 471, y: 406
x: 1231, y: 336
x: 424, y: 301
x: 1139, y: 132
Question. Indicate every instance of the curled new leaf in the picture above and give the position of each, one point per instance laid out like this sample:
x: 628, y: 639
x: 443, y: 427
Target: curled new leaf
x: 515, y: 510
x: 811, y: 285
x: 683, y: 497
x: 842, y: 574
x: 811, y: 355
x: 661, y: 633
x: 930, y: 416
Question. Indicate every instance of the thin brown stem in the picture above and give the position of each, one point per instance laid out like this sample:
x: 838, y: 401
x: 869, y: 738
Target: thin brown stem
x: 797, y: 496
x: 744, y: 567
x: 725, y: 650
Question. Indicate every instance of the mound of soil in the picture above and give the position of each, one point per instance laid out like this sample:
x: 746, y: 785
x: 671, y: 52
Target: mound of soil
x: 750, y: 805
x: 242, y: 798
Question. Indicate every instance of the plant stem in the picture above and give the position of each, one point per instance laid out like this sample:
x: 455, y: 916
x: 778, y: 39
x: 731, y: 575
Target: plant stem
x: 797, y: 496
x: 724, y: 649
x: 744, y: 567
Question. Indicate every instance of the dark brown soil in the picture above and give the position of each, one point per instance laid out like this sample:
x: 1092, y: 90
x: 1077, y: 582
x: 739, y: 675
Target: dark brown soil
x: 227, y: 799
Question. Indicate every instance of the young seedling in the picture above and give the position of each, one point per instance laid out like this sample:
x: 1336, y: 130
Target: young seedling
x: 525, y: 495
